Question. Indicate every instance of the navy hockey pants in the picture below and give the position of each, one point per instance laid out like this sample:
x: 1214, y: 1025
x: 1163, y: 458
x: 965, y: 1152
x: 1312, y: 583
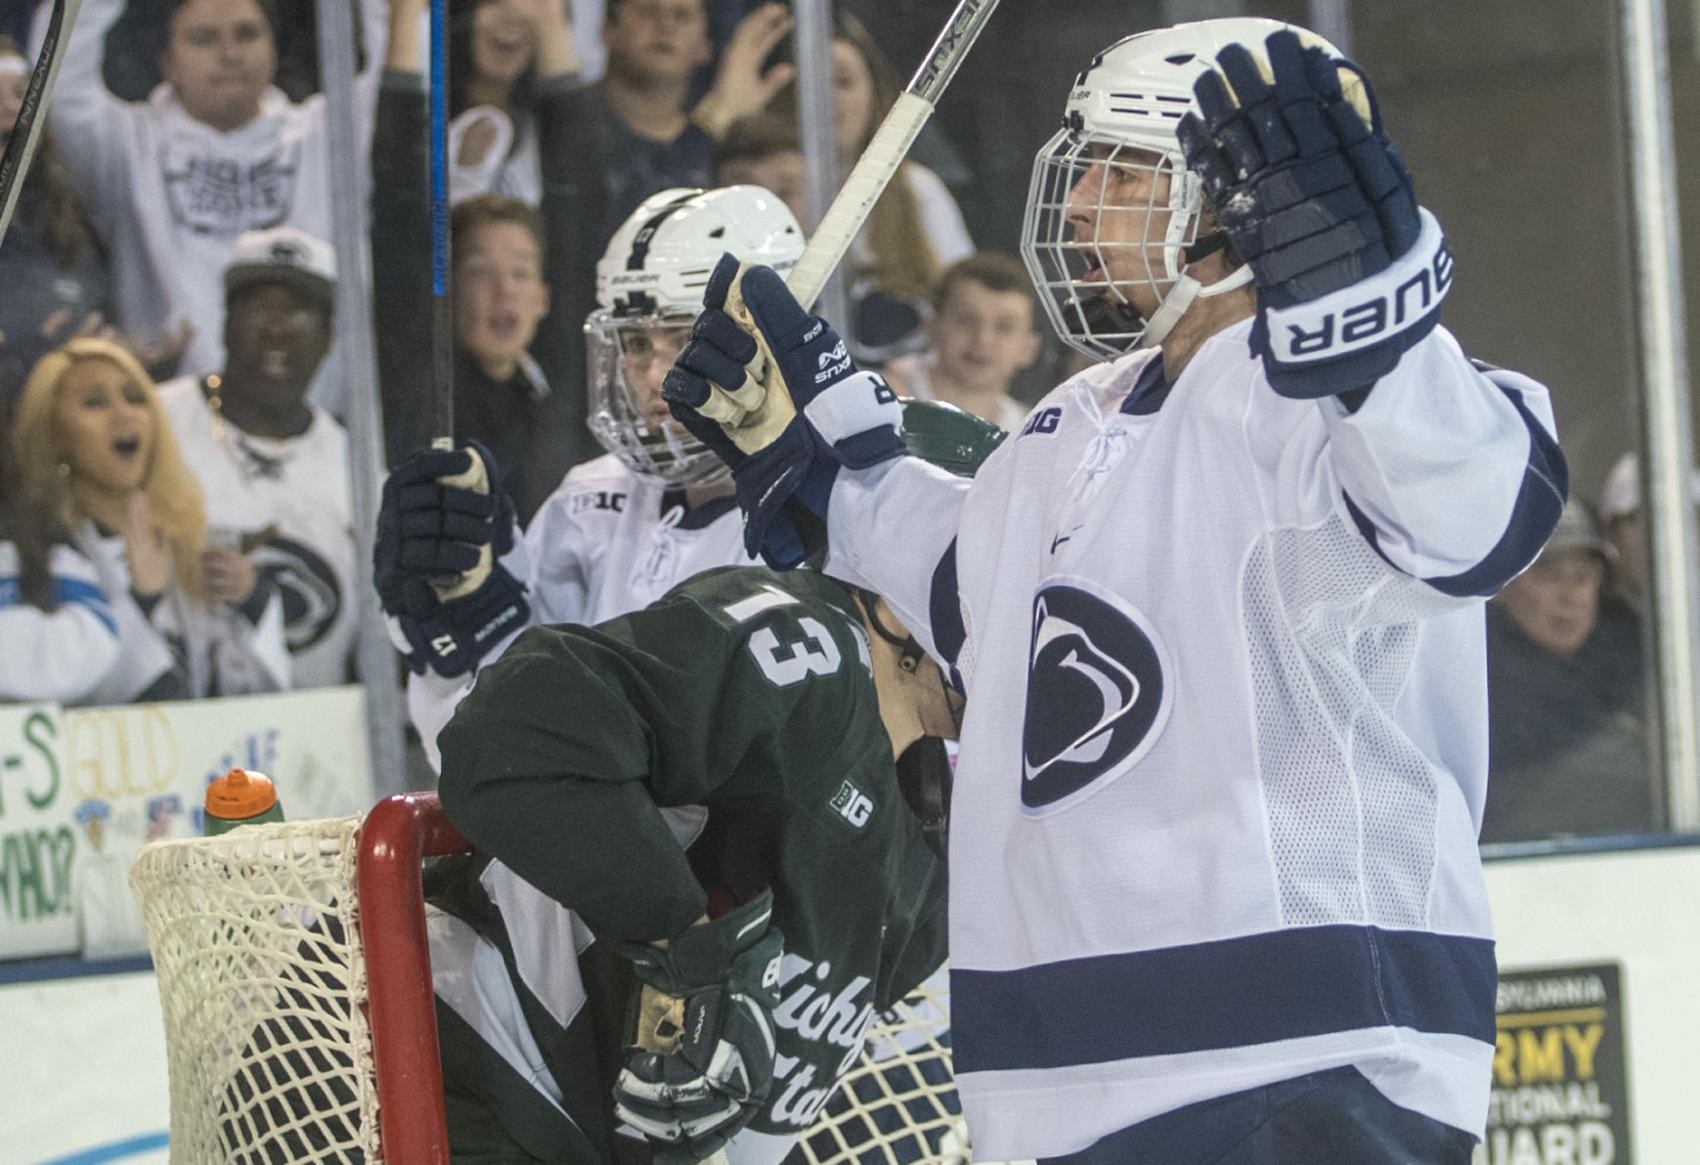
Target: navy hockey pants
x: 1326, y: 1118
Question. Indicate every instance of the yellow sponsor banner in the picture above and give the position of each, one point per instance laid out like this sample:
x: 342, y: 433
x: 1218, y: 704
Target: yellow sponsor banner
x: 1560, y: 1089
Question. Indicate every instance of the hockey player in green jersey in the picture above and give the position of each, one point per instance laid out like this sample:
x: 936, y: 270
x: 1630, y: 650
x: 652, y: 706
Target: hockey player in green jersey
x: 697, y: 873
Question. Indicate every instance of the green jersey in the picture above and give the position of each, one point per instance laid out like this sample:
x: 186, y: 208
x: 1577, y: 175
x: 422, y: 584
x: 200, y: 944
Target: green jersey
x: 617, y: 781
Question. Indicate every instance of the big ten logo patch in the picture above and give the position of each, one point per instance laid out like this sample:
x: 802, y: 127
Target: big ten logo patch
x: 1043, y: 422
x: 852, y: 804
x: 613, y: 501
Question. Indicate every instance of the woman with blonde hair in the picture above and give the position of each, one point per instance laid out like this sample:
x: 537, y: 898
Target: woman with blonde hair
x: 94, y: 456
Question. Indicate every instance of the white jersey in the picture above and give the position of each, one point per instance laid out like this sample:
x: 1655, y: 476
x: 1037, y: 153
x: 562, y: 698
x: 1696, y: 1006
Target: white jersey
x: 169, y: 194
x: 60, y: 655
x: 200, y: 650
x: 606, y: 542
x: 1225, y: 750
x: 288, y: 500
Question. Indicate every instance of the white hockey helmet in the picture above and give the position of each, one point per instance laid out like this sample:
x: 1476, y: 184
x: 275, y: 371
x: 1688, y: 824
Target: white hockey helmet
x: 1122, y: 113
x: 649, y: 286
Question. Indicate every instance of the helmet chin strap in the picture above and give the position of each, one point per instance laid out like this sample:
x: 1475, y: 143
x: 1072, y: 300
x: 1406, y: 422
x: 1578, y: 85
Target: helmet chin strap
x: 1180, y: 297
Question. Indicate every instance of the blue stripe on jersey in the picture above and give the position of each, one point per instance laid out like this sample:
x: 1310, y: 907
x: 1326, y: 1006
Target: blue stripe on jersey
x: 1281, y: 985
x: 1546, y: 483
x: 86, y: 594
x: 944, y: 612
x: 65, y: 591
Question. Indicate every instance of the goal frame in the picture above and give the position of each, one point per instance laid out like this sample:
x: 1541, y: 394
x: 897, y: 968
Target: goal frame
x: 396, y: 837
x: 250, y: 931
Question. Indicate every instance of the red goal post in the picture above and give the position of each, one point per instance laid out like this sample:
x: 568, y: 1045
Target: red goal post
x: 295, y: 981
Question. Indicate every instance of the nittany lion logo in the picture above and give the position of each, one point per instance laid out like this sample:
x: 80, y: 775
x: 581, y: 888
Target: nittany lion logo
x: 1097, y: 694
x: 312, y: 597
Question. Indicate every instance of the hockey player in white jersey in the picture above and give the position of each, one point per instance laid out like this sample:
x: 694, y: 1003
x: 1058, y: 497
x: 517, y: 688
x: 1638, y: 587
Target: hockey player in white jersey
x: 1218, y: 609
x: 620, y: 530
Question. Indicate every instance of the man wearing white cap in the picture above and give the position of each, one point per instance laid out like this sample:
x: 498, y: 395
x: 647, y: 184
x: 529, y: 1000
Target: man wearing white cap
x: 273, y: 466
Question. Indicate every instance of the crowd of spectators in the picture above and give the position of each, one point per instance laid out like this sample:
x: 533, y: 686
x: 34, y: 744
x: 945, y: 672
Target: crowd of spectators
x: 174, y: 511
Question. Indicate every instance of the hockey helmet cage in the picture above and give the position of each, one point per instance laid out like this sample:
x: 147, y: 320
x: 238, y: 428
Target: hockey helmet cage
x: 649, y: 286
x: 1122, y: 115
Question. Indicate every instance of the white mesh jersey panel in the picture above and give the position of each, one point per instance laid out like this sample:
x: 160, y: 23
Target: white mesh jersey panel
x: 1331, y: 634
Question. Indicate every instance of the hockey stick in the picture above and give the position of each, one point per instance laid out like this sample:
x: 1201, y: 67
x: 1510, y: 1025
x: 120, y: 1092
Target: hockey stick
x: 477, y: 476
x: 878, y: 164
x: 855, y: 200
x: 27, y: 130
x: 442, y: 314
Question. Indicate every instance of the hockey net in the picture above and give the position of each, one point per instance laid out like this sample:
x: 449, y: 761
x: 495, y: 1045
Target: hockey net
x: 295, y: 984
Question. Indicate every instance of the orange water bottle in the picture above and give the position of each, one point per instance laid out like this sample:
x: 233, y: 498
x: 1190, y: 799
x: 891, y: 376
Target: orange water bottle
x: 240, y: 797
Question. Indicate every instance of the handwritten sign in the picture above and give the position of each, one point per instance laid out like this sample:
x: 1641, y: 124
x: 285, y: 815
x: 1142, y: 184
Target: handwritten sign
x: 83, y: 789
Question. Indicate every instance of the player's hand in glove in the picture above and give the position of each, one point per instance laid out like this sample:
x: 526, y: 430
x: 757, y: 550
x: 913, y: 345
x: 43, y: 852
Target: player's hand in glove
x: 1350, y: 271
x: 773, y: 390
x: 701, y: 1065
x: 443, y: 523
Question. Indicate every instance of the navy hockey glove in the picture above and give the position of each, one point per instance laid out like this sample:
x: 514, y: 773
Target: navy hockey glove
x: 703, y: 1048
x: 443, y: 523
x: 774, y: 391
x: 1350, y: 271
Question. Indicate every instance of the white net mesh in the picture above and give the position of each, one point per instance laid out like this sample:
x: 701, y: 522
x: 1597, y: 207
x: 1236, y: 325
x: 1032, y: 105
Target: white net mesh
x: 255, y: 941
x: 255, y: 937
x: 897, y: 1103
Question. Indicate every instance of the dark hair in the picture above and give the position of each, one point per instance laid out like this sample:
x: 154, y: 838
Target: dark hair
x: 474, y: 212
x: 760, y: 135
x: 993, y: 270
x: 522, y: 95
x: 268, y: 10
x: 612, y: 6
x: 49, y: 199
x: 29, y: 526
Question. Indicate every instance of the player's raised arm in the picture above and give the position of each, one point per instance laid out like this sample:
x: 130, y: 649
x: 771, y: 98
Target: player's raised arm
x: 1454, y: 475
